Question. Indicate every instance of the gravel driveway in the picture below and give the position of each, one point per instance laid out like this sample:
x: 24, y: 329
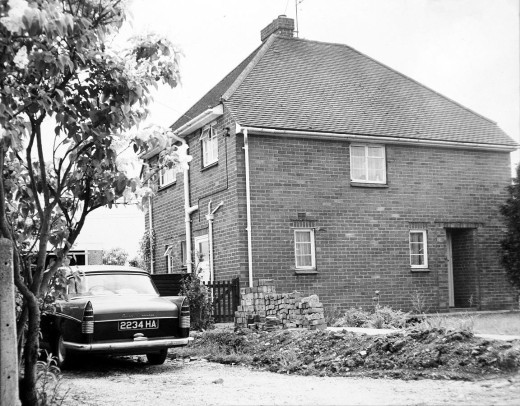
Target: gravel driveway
x: 127, y: 381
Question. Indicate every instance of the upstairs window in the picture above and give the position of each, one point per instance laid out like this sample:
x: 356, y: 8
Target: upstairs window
x: 304, y: 249
x: 166, y: 177
x: 209, y: 145
x: 418, y: 249
x: 367, y: 163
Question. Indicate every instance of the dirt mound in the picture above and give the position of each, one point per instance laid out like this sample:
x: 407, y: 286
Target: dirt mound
x: 410, y: 354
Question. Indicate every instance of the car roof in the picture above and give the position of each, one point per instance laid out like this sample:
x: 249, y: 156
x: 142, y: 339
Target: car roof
x: 107, y: 268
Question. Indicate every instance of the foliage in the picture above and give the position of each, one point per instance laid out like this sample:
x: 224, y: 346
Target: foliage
x: 115, y: 256
x: 380, y: 317
x: 511, y: 243
x: 59, y: 71
x: 419, y: 303
x: 146, y: 247
x: 137, y: 262
x: 48, y: 383
x: 200, y: 302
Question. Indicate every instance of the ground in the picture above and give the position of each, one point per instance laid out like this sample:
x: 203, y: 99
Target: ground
x: 127, y: 381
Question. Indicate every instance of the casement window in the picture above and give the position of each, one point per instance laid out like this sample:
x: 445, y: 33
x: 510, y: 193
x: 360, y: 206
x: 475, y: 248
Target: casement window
x: 304, y: 249
x: 209, y: 145
x: 367, y: 163
x: 168, y: 254
x: 167, y: 176
x: 418, y: 249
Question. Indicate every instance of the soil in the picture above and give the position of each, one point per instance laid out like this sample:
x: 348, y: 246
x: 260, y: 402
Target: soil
x: 131, y: 381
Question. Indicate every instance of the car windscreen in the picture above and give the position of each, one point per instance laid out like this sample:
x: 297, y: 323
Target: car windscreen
x: 111, y: 284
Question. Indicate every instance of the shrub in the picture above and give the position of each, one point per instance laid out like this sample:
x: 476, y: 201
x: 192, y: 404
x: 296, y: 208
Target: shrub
x: 380, y: 317
x: 200, y: 302
x: 48, y: 381
x: 353, y: 317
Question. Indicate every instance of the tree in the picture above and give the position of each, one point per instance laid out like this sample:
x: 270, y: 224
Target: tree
x: 115, y: 256
x: 57, y: 68
x: 511, y: 243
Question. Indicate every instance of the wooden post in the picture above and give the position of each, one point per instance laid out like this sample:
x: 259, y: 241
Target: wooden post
x: 8, y: 349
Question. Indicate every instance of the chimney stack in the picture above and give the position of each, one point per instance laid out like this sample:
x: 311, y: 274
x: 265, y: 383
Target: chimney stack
x: 282, y: 26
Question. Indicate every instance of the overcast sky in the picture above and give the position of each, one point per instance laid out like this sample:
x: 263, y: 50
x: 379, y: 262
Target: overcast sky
x: 467, y: 50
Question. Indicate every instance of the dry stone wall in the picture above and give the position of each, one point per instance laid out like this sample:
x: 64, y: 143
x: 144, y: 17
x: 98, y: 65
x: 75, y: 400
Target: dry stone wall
x: 262, y: 308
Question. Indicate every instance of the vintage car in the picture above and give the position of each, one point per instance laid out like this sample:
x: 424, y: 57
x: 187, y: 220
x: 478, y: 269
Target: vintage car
x: 114, y: 310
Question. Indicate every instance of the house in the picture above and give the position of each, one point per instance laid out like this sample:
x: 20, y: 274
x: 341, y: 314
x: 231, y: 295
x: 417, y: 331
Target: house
x: 333, y: 174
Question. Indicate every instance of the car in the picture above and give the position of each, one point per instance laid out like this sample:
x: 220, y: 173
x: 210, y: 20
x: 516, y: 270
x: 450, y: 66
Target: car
x: 114, y: 310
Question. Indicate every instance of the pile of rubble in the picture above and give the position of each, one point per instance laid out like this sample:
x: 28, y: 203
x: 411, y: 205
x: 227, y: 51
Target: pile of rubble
x: 264, y: 309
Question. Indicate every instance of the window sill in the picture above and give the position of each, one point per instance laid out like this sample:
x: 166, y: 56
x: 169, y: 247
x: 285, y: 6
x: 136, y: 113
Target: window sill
x: 305, y: 271
x: 209, y: 166
x: 419, y: 269
x: 164, y: 187
x: 369, y: 185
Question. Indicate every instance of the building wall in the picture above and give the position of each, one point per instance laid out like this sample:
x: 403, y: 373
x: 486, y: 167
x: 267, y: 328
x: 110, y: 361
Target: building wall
x: 214, y: 184
x: 362, y: 234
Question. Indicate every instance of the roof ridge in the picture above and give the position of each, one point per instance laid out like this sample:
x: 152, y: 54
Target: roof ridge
x: 396, y: 71
x: 241, y: 77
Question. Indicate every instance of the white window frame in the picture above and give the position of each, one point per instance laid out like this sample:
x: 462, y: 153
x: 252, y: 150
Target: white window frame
x: 425, y: 248
x: 168, y: 253
x: 366, y: 147
x: 313, y: 249
x: 167, y: 176
x: 209, y: 145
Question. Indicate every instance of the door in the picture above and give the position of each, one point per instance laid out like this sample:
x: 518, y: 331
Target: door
x: 449, y: 257
x: 202, y: 257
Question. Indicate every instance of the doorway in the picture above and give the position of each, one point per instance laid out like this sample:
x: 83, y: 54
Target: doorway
x: 463, y: 278
x: 202, y: 257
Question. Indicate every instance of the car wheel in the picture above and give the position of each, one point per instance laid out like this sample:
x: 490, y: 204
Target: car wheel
x: 63, y: 356
x: 157, y: 358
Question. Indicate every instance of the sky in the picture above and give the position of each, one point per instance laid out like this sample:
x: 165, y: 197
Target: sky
x: 467, y: 50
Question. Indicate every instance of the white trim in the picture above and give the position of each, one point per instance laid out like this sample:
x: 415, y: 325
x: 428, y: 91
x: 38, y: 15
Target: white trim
x: 366, y: 147
x: 425, y: 248
x: 381, y: 139
x: 169, y: 258
x: 313, y: 248
x: 201, y: 120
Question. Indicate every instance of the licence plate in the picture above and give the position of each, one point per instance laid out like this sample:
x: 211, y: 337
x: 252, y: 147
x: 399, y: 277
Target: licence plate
x: 145, y: 324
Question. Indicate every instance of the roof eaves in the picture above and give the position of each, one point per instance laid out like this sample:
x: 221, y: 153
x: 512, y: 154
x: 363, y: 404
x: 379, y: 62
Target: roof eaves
x: 247, y: 70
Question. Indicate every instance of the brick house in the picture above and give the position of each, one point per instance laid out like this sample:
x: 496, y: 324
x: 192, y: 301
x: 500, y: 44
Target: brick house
x: 331, y: 173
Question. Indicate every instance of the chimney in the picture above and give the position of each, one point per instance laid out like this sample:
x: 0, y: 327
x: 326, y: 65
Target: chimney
x: 282, y: 26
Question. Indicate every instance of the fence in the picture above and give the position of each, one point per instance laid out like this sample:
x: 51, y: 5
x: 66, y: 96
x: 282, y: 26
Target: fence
x: 226, y: 294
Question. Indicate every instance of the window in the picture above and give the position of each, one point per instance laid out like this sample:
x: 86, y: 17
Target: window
x: 167, y: 176
x: 304, y: 250
x: 183, y: 254
x: 209, y: 143
x: 168, y: 253
x: 418, y: 249
x: 367, y: 163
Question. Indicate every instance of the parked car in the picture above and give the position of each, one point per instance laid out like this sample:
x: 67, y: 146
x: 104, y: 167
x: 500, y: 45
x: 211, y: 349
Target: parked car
x: 114, y: 310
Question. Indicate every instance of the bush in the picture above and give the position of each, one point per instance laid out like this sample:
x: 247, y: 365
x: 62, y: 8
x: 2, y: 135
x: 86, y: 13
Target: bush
x: 200, y: 302
x: 380, y: 317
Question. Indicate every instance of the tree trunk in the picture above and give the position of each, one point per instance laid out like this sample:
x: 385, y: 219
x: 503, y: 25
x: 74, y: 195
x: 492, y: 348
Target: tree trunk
x: 28, y: 393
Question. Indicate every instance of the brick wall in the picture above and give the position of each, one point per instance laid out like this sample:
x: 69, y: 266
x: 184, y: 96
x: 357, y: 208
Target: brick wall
x: 362, y: 235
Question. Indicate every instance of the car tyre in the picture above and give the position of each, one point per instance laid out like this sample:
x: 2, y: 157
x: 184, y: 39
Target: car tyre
x: 157, y: 358
x: 64, y: 358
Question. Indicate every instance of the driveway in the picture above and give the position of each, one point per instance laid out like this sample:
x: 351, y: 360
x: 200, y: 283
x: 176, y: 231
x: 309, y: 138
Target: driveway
x: 126, y: 381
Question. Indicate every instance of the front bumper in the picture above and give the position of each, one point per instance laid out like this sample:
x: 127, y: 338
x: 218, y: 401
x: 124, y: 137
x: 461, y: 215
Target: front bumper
x: 129, y: 346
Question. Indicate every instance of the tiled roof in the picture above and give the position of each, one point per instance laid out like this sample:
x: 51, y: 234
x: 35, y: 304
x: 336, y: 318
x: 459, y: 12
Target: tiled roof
x: 295, y: 84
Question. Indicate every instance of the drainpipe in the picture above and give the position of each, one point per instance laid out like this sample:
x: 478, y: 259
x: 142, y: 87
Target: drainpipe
x: 210, y: 217
x: 248, y: 204
x: 188, y: 210
x: 150, y: 233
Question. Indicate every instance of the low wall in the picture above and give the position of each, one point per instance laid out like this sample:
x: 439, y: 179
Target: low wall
x: 262, y: 308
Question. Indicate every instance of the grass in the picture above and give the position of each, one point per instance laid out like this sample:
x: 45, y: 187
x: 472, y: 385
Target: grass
x: 493, y: 323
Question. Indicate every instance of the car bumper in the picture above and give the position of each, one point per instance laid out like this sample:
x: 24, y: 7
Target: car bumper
x: 128, y: 345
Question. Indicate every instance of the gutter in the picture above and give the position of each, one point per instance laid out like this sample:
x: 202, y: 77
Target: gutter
x: 199, y: 121
x: 382, y: 139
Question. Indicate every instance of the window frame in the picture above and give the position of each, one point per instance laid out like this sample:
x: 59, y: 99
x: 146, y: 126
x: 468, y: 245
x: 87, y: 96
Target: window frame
x: 425, y: 248
x: 168, y: 253
x: 313, y: 249
x: 209, y: 139
x: 162, y: 175
x: 366, y: 159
